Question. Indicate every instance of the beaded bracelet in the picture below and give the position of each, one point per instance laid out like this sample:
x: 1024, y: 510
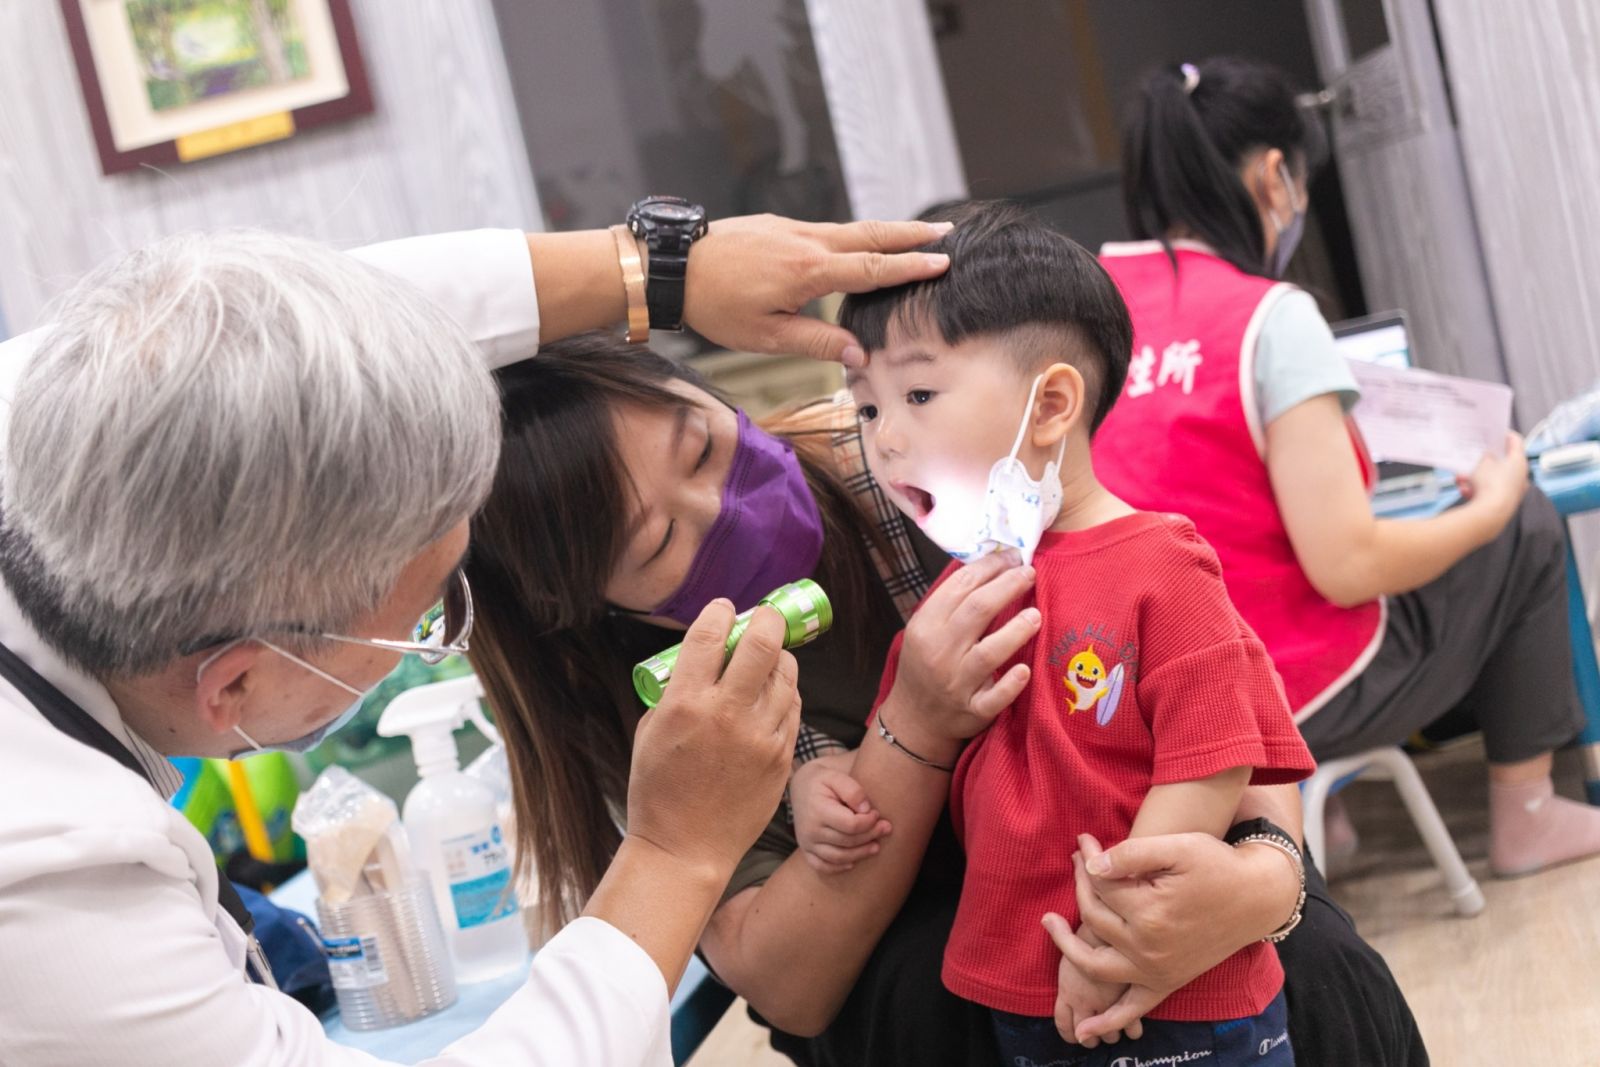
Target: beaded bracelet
x: 1262, y: 832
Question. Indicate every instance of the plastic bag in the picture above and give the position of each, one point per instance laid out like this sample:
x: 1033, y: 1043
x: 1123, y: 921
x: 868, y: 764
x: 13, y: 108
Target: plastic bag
x: 354, y: 841
x: 1571, y: 421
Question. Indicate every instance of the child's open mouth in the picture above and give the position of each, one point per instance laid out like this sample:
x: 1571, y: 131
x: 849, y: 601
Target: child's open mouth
x: 921, y: 500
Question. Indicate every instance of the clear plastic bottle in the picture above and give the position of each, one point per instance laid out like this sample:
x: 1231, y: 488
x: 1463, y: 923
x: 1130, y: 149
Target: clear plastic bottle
x: 455, y: 832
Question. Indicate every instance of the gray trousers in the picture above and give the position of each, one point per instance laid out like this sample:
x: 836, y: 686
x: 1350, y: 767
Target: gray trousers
x: 1487, y: 639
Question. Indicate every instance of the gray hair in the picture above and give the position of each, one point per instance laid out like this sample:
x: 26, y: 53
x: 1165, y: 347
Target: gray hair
x: 233, y: 434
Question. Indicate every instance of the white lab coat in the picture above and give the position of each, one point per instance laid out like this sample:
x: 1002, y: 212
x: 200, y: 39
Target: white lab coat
x: 113, y: 949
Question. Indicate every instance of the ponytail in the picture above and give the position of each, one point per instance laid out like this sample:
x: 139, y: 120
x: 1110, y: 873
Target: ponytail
x: 1187, y: 132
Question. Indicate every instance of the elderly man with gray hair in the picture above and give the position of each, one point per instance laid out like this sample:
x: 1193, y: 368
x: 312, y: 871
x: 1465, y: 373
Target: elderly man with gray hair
x: 238, y: 469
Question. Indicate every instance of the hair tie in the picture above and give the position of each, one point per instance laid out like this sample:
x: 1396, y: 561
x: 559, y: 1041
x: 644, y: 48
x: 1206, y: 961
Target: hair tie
x: 1191, y: 78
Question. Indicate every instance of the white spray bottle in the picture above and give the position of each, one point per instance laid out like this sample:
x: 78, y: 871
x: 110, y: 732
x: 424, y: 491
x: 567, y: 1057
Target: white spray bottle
x: 455, y: 832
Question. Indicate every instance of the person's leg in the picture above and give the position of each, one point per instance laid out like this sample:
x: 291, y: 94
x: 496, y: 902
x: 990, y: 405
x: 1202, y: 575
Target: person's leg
x: 899, y: 1010
x: 1490, y: 635
x: 1344, y: 1005
x: 1260, y: 1041
x: 1525, y: 701
x: 1026, y: 1041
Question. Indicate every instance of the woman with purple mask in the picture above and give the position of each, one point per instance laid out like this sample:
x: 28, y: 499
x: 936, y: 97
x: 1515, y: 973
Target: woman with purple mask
x: 628, y: 496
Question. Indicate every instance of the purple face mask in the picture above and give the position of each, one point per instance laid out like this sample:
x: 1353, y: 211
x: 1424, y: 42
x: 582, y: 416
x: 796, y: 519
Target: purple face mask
x: 768, y: 533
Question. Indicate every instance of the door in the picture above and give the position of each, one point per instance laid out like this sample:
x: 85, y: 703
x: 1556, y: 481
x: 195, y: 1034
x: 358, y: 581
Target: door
x: 1405, y: 188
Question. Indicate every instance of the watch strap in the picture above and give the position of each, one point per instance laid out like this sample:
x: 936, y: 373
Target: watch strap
x: 664, y: 288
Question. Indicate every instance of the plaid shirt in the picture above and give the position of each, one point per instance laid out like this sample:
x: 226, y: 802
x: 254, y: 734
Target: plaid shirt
x: 902, y: 572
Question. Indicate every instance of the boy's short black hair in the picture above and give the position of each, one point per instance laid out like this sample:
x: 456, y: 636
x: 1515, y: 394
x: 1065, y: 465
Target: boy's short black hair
x: 1010, y: 275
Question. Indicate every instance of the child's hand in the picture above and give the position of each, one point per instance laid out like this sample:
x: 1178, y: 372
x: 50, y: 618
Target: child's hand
x: 834, y: 822
x: 1080, y: 998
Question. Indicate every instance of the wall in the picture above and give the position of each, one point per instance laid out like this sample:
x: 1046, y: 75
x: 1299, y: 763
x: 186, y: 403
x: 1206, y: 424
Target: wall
x: 887, y: 98
x: 442, y: 152
x: 1526, y: 83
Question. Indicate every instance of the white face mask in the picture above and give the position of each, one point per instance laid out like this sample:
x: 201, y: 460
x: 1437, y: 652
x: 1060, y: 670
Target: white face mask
x: 306, y: 742
x: 1289, y: 234
x: 1016, y: 510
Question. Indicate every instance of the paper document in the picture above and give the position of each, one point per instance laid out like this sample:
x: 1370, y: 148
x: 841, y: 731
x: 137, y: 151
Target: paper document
x: 1438, y: 420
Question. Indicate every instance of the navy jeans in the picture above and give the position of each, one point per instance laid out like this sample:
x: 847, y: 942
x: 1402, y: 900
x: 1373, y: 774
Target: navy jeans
x: 1261, y: 1041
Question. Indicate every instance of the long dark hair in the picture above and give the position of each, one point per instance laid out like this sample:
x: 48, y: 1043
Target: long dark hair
x: 546, y: 643
x: 1181, y: 151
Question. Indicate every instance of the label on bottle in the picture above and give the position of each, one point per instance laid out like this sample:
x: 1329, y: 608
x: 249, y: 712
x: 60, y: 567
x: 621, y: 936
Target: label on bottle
x: 354, y: 963
x: 478, y: 869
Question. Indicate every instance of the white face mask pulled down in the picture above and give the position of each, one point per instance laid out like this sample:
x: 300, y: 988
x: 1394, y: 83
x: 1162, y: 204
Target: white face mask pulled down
x: 306, y: 742
x: 1016, y: 509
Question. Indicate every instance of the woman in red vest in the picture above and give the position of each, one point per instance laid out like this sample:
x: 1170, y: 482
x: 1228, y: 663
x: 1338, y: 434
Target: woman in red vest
x: 1234, y: 414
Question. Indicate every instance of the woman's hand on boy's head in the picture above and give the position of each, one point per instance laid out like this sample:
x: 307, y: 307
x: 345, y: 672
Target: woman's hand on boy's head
x: 835, y: 822
x: 749, y: 278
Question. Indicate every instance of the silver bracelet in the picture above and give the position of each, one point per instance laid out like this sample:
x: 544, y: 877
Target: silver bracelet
x: 883, y: 732
x: 1287, y: 847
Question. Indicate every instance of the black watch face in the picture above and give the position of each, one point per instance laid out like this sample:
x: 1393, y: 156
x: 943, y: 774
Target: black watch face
x: 674, y: 212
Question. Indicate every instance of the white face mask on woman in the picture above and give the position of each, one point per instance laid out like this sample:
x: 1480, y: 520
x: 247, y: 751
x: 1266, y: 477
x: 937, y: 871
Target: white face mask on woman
x: 1289, y: 234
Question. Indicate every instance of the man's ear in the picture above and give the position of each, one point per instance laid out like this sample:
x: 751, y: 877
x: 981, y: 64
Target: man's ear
x: 1059, y: 406
x: 221, y: 684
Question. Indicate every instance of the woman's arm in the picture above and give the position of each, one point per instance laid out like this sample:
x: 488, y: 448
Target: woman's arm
x: 1172, y: 907
x: 1350, y: 556
x: 748, y: 279
x: 794, y: 946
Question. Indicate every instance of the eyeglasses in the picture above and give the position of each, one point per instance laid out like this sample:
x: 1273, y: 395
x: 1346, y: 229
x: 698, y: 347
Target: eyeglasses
x: 442, y: 631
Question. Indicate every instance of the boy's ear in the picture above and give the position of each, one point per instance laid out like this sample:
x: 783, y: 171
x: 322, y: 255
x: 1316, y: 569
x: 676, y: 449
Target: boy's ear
x: 1059, y: 405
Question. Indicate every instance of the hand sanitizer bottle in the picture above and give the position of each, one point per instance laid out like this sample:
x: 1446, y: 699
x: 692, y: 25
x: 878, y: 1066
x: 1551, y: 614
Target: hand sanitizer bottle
x: 455, y: 832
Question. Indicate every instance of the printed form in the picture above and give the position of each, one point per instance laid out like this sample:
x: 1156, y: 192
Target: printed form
x: 1437, y: 420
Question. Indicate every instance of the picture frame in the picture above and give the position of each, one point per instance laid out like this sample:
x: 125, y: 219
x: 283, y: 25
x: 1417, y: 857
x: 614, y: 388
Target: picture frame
x: 175, y: 81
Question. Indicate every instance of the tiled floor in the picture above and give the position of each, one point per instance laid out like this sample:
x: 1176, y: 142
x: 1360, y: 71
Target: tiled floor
x: 1518, y: 984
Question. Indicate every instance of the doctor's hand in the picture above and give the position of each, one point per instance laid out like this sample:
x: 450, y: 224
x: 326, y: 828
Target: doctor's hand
x: 711, y: 760
x: 749, y: 277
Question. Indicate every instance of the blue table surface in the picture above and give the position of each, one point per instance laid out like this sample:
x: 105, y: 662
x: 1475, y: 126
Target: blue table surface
x: 427, y: 1037
x: 1571, y: 492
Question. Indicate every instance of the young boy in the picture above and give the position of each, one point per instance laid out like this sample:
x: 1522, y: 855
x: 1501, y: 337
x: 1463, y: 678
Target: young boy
x: 1150, y: 705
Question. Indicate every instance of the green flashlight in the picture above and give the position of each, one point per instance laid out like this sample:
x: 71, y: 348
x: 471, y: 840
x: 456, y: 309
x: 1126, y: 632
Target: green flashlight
x: 807, y: 615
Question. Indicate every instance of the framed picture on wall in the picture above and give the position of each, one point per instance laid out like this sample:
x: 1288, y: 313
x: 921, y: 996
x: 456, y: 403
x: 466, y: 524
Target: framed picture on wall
x: 173, y: 81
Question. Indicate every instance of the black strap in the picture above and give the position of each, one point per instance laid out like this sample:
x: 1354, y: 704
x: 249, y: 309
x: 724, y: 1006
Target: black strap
x: 65, y: 715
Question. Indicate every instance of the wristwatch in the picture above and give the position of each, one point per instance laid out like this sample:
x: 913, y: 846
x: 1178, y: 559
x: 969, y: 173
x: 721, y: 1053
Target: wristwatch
x: 1265, y: 832
x: 667, y: 225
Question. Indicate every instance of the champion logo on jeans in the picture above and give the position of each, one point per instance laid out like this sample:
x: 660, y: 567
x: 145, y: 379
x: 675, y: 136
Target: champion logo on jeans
x: 1268, y: 1044
x: 1161, y: 1061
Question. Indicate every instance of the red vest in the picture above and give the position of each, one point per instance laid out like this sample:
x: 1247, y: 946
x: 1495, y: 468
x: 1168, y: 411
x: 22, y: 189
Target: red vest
x: 1186, y: 436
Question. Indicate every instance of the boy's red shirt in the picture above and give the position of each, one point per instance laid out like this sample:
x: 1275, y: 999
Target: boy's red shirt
x: 1143, y: 675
